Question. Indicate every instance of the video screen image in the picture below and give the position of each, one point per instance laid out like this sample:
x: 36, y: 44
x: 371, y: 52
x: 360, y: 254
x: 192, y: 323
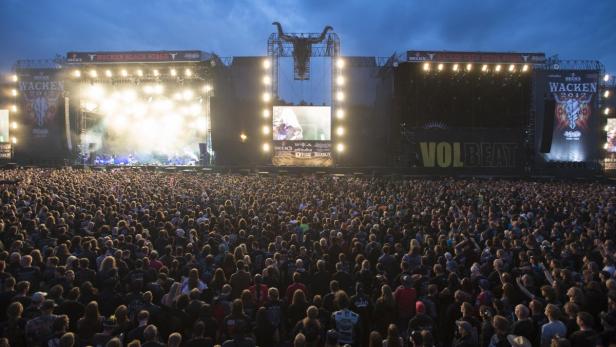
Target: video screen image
x: 611, y: 135
x: 301, y: 123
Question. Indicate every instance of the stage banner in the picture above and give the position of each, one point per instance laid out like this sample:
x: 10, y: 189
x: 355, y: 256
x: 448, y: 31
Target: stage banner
x: 574, y: 93
x: 466, y: 150
x: 127, y: 57
x: 475, y: 57
x: 610, y: 157
x: 6, y: 151
x: 41, y: 94
x: 302, y: 153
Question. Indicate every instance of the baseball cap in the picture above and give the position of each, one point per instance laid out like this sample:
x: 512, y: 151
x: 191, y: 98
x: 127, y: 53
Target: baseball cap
x: 38, y: 297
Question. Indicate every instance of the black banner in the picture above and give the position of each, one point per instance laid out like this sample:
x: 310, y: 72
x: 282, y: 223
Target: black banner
x: 6, y: 151
x: 127, y: 57
x: 302, y: 153
x: 466, y: 149
x: 476, y: 57
x: 41, y: 104
x: 574, y: 93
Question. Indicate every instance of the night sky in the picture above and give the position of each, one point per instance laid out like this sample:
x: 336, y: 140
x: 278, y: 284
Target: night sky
x: 43, y: 28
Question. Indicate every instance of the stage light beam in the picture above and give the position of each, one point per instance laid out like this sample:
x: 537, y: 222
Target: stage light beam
x: 340, y: 80
x: 207, y: 88
x: 155, y: 72
x: 267, y: 80
x: 267, y: 64
x: 13, y: 108
x: 243, y: 137
x: 124, y: 73
x: 14, y: 140
x: 13, y: 92
x: 14, y: 125
x: 93, y: 73
x: 140, y: 73
x: 187, y: 94
x: 188, y: 72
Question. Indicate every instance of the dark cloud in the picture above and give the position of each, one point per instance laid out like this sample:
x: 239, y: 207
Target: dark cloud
x: 572, y: 29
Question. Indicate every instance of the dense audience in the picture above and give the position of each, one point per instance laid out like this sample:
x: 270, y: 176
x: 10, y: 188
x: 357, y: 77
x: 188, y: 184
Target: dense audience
x: 133, y: 258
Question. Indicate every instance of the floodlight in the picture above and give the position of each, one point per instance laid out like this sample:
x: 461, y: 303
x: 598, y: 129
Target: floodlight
x: 340, y: 147
x: 173, y: 72
x: 426, y: 66
x: 524, y: 67
x: 340, y: 131
x: 497, y: 68
x: 484, y: 68
x: 187, y: 94
x: 340, y: 63
x: 511, y: 68
x: 455, y: 67
x: 207, y: 88
x: 14, y: 92
x: 606, y: 111
x: 93, y: 73
x: 267, y: 97
x: 124, y: 73
x: 14, y: 125
x: 13, y: 108
x: 469, y: 67
x: 266, y: 147
x: 155, y: 72
x: 77, y: 73
x: 243, y: 137
x: 267, y: 64
x: 266, y: 113
x: 340, y: 80
x: 606, y: 94
x: 605, y: 145
x: 139, y: 72
x: 441, y: 67
x: 606, y: 77
x: 339, y: 96
x: 14, y: 78
x: 188, y: 72
x: 266, y: 130
x: 14, y: 140
x: 340, y: 113
x: 108, y: 73
x: 267, y: 80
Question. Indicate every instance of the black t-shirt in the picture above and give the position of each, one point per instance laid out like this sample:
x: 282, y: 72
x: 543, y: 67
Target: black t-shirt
x: 583, y: 338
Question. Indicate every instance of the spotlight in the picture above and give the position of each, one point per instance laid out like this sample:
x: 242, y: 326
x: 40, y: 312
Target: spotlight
x: 484, y: 68
x: 266, y: 113
x: 14, y: 140
x: 188, y: 72
x: 267, y: 97
x: 340, y: 114
x: 266, y: 130
x: 243, y: 137
x: 606, y: 111
x: 606, y: 94
x: 14, y: 125
x: 606, y: 77
x: 108, y: 73
x: 455, y: 67
x: 498, y: 68
x: 95, y: 92
x: 340, y: 63
x: 440, y: 67
x: 158, y: 89
x: 340, y: 147
x: 173, y: 72
x: 140, y: 73
x: 14, y: 78
x: 207, y: 88
x: 511, y: 68
x: 267, y: 64
x: 93, y: 73
x: 266, y: 147
x: 339, y: 96
x: 469, y: 67
x: 148, y: 89
x: 155, y: 72
x: 426, y: 66
x: 340, y: 131
x: 14, y: 92
x: 77, y: 73
x: 267, y: 80
x: 605, y: 145
x: 340, y: 80
x: 124, y: 73
x: 524, y: 67
x: 14, y: 108
x: 187, y: 94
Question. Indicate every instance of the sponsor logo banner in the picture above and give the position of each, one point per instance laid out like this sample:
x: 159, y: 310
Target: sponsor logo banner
x: 302, y: 153
x: 40, y: 91
x: 475, y: 57
x: 127, y: 57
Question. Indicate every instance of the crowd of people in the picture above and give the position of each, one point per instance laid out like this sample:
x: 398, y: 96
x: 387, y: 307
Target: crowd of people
x: 135, y: 258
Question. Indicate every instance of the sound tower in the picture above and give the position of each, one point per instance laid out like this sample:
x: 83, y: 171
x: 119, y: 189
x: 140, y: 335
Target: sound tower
x: 549, y: 109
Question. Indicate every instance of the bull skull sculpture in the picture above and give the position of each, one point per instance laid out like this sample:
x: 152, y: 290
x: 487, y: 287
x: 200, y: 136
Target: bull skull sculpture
x: 302, y: 49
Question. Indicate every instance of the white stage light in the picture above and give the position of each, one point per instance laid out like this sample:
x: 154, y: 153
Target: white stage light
x: 148, y: 89
x: 497, y: 68
x: 426, y: 66
x: 77, y: 73
x: 340, y: 131
x: 90, y: 106
x: 173, y: 72
x: 606, y: 94
x: 13, y: 108
x: 14, y: 125
x: 524, y: 67
x: 340, y: 113
x: 119, y: 122
x: 14, y: 140
x: 605, y: 145
x: 108, y: 73
x: 484, y: 68
x: 606, y: 77
x: 243, y: 137
x: 267, y: 97
x: 195, y: 109
x: 440, y: 67
x: 339, y: 96
x: 124, y: 73
x: 96, y: 92
x: 14, y: 92
x: 108, y: 106
x: 158, y: 89
x: 340, y: 80
x: 606, y: 111
x: 469, y: 67
x: 266, y: 130
x: 93, y: 73
x: 139, y: 72
x: 455, y: 67
x: 177, y: 96
x: 511, y: 68
x: 266, y: 147
x: 207, y: 88
x: 129, y: 95
x: 188, y: 72
x: 266, y: 113
x: 14, y: 78
x: 340, y: 63
x: 267, y: 63
x: 267, y: 80
x: 187, y: 94
x: 340, y: 147
x: 155, y: 72
x: 606, y: 128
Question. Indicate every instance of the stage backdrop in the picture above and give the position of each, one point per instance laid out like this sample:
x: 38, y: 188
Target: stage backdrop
x: 302, y: 136
x: 41, y: 135
x: 574, y: 136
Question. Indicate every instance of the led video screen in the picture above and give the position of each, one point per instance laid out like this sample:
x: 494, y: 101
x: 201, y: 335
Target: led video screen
x: 301, y: 123
x: 611, y: 135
